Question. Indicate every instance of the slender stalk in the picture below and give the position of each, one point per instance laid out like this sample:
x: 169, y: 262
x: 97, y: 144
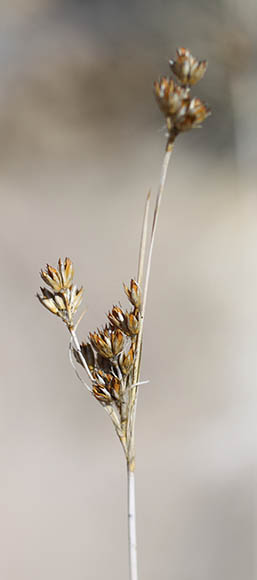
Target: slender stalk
x: 132, y: 523
x: 164, y: 170
x: 133, y: 401
x: 83, y: 361
x: 140, y: 271
x: 141, y: 258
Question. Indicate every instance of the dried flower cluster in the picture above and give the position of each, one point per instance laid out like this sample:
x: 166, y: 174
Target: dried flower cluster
x: 64, y: 297
x: 181, y: 112
x: 109, y: 354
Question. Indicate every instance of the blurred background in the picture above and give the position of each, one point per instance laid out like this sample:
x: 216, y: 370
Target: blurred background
x: 81, y: 142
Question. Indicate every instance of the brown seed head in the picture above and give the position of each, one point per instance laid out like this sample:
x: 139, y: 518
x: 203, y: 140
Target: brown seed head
x: 101, y: 343
x: 132, y: 324
x: 169, y: 95
x: 133, y: 293
x: 190, y: 116
x: 64, y: 303
x: 117, y: 340
x: 101, y: 395
x: 127, y: 322
x: 126, y: 361
x: 47, y: 299
x: 64, y: 297
x: 52, y: 278
x: 117, y: 318
x: 181, y: 112
x: 106, y: 387
x: 188, y: 69
x: 108, y: 343
x: 59, y: 279
x: 53, y: 301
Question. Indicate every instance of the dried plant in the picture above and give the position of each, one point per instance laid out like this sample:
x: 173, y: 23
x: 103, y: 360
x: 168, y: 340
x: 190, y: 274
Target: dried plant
x: 111, y: 355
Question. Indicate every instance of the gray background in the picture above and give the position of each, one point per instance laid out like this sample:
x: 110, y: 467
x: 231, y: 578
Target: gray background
x: 81, y: 142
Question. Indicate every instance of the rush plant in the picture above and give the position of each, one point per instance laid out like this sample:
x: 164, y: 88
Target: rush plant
x: 111, y: 356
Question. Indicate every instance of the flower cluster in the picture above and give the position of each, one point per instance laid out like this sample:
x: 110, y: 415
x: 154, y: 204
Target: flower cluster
x: 110, y: 353
x: 64, y: 297
x: 188, y: 69
x: 181, y: 112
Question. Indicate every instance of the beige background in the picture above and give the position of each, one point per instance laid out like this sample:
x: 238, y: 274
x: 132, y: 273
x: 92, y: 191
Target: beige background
x: 81, y: 141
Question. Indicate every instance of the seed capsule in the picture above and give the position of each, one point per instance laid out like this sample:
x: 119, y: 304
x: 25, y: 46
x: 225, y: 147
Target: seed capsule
x: 188, y: 69
x: 126, y: 362
x: 133, y: 293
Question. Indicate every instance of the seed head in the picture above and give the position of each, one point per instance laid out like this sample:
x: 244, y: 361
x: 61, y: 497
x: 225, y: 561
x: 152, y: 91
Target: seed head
x: 188, y: 69
x: 134, y: 293
x: 64, y: 298
x: 101, y: 343
x: 181, y: 112
x: 169, y: 95
x: 59, y: 279
x: 109, y: 342
x: 106, y: 387
x: 47, y: 298
x: 101, y: 394
x: 127, y: 322
x: 132, y: 324
x: 117, y: 318
x: 191, y: 114
x: 117, y: 340
x: 126, y: 361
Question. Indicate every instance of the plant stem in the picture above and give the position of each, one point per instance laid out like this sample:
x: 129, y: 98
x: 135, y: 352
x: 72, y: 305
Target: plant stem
x: 136, y: 373
x: 133, y: 400
x: 77, y: 345
x: 141, y: 258
x: 164, y: 170
x: 132, y: 523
